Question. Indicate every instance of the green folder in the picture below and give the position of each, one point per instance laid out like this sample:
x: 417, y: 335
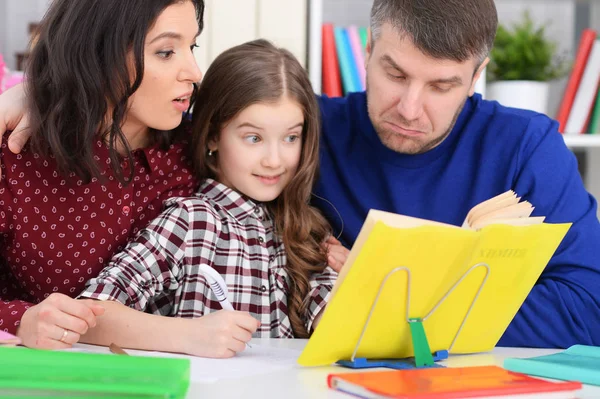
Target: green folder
x: 594, y: 127
x: 578, y: 363
x: 30, y: 373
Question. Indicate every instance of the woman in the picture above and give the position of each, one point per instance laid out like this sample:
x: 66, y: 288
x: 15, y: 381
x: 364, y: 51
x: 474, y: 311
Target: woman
x: 108, y: 82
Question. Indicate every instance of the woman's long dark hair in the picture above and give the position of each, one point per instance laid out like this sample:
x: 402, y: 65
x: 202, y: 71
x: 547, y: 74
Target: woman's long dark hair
x: 78, y: 67
x: 258, y: 72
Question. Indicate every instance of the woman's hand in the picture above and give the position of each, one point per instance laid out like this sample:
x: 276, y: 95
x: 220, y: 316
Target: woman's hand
x: 58, y: 321
x: 14, y: 116
x: 336, y: 253
x: 219, y: 335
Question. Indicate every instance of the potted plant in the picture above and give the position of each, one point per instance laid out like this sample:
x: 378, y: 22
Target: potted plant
x: 522, y: 62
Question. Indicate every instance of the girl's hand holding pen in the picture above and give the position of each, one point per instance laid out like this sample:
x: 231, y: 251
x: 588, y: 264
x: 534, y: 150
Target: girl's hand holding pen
x: 218, y: 335
x: 218, y: 287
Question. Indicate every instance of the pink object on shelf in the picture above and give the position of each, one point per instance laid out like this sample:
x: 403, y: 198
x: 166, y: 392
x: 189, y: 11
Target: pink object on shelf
x: 9, y: 79
x: 357, y: 52
x: 2, y: 73
x: 13, y: 79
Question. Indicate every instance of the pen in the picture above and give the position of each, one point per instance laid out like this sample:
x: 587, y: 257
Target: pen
x: 116, y: 349
x: 218, y: 287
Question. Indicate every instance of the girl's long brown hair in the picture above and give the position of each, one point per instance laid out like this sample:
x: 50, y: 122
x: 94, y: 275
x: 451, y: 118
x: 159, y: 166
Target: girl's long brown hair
x: 258, y: 72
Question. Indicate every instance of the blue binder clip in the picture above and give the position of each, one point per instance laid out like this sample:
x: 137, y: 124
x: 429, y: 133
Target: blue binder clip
x: 423, y: 358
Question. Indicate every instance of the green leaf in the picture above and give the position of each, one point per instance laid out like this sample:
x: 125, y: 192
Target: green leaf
x: 525, y: 53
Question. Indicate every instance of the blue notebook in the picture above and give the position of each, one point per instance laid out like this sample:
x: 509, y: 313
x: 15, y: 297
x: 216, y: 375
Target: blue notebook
x: 578, y: 363
x: 349, y: 73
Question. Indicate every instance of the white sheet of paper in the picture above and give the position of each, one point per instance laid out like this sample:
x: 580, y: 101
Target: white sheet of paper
x: 253, y: 361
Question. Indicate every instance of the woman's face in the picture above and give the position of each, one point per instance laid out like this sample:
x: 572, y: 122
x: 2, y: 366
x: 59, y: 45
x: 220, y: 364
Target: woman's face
x: 170, y: 70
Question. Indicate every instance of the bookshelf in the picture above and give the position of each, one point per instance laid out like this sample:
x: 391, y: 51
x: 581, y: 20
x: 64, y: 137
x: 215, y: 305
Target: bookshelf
x: 582, y: 141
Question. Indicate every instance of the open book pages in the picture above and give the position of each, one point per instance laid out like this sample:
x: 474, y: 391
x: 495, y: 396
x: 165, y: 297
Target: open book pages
x: 505, y: 208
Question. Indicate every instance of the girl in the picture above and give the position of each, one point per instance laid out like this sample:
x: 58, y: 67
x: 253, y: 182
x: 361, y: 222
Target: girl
x: 107, y: 84
x: 256, y: 146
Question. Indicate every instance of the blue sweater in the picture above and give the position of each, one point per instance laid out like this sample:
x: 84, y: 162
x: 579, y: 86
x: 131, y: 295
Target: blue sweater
x: 490, y: 150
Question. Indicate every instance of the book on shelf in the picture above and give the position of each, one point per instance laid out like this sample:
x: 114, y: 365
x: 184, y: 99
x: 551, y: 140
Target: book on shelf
x: 343, y: 59
x: 586, y: 93
x: 586, y: 42
x: 594, y: 126
x: 357, y: 54
x: 331, y: 79
x: 348, y: 67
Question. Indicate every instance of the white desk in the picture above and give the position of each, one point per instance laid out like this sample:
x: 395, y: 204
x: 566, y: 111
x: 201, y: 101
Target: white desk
x: 311, y: 383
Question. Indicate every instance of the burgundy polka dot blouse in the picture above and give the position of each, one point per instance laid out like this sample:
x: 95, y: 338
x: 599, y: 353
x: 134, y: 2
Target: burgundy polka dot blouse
x: 57, y: 232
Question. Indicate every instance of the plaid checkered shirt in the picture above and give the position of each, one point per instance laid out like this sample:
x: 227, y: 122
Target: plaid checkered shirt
x: 158, y: 271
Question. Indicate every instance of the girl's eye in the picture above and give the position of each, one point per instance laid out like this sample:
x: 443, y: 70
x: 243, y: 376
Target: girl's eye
x: 292, y: 138
x: 193, y: 46
x: 252, y: 139
x: 165, y: 54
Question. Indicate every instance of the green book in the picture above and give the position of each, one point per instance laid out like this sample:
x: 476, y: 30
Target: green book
x: 31, y: 373
x: 578, y: 363
x: 595, y: 119
x: 363, y: 36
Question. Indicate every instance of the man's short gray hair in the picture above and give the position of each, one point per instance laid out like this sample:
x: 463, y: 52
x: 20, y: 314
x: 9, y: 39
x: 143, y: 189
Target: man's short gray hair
x: 445, y: 29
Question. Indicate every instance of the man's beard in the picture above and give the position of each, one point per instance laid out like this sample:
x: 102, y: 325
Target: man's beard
x: 384, y: 134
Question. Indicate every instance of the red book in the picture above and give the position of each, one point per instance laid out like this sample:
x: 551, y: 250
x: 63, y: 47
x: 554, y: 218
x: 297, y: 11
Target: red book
x: 331, y: 80
x: 588, y: 36
x: 447, y: 383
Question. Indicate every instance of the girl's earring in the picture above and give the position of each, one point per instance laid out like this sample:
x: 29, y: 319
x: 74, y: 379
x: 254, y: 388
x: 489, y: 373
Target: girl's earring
x: 210, y: 153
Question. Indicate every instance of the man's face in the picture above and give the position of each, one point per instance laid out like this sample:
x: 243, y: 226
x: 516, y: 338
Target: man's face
x: 413, y: 99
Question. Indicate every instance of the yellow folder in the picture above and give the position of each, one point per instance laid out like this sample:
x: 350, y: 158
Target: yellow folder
x: 437, y: 256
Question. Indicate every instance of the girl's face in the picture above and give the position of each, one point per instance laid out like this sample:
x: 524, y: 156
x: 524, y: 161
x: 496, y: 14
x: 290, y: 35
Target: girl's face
x: 258, y: 151
x: 170, y: 70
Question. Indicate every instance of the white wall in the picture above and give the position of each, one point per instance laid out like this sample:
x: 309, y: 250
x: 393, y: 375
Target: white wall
x: 347, y: 12
x: 228, y: 23
x: 15, y: 16
x: 2, y: 27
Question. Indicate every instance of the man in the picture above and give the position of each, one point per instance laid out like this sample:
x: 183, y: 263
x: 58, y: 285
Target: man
x: 419, y: 142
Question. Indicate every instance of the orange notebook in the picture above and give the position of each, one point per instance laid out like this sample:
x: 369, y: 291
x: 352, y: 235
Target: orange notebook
x: 447, y: 383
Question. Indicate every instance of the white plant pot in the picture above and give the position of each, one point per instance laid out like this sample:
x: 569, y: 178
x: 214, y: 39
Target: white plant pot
x: 523, y: 94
